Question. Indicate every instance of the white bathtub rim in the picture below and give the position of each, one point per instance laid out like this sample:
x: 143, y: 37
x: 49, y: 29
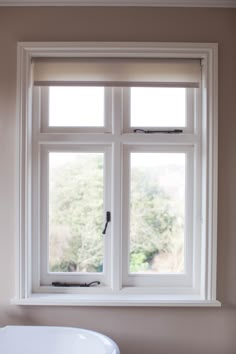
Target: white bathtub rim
x: 105, y: 340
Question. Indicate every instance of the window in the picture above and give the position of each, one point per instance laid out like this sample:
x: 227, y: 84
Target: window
x: 117, y: 174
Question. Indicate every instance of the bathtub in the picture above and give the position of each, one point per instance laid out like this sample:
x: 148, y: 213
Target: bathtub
x: 54, y: 340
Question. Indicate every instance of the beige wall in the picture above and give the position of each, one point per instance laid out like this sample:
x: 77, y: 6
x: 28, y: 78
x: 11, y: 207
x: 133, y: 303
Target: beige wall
x: 136, y: 330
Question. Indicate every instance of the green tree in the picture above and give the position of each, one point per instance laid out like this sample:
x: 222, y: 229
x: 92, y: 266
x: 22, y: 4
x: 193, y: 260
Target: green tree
x: 76, y: 217
x: 156, y: 223
x: 76, y: 214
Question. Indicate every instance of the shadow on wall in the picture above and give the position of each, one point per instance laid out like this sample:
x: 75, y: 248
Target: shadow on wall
x: 12, y: 315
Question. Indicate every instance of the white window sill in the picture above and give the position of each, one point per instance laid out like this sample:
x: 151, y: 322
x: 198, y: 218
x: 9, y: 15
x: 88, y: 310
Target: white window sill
x: 115, y: 300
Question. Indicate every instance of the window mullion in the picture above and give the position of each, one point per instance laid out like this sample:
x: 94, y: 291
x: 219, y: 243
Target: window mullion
x: 126, y: 109
x: 117, y: 114
x: 107, y: 261
x: 125, y: 215
x: 107, y: 109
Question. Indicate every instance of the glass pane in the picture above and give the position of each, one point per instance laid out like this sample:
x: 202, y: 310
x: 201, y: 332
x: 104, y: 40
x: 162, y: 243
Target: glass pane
x: 158, y: 107
x: 157, y: 197
x: 76, y: 212
x: 76, y: 106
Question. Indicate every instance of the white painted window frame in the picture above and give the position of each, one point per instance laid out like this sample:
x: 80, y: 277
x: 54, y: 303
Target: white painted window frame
x: 48, y: 139
x: 41, y: 275
x: 174, y: 282
x: 205, y: 295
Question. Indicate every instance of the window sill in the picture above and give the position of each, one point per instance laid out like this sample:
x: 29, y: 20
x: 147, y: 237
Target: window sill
x: 115, y: 300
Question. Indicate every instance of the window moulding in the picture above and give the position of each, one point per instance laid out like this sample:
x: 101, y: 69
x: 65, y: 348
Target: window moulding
x: 208, y: 55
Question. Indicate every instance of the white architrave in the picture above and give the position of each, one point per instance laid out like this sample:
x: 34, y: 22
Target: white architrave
x: 208, y: 54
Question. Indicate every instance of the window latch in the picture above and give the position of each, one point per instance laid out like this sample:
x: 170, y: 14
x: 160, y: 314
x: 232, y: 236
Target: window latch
x: 108, y: 219
x: 171, y: 131
x: 83, y: 285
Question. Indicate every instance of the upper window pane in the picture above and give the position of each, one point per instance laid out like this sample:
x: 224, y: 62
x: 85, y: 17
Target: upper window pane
x: 76, y: 106
x: 158, y: 107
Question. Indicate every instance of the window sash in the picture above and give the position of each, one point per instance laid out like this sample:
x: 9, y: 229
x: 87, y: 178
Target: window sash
x: 42, y: 277
x: 43, y: 93
x: 190, y: 107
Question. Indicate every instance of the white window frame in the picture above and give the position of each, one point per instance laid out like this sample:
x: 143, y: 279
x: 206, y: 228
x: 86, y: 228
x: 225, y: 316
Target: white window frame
x: 174, y: 282
x: 45, y: 139
x: 40, y: 232
x: 204, y: 294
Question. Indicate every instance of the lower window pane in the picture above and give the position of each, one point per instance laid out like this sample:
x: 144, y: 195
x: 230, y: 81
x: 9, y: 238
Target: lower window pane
x: 157, y: 197
x: 76, y: 212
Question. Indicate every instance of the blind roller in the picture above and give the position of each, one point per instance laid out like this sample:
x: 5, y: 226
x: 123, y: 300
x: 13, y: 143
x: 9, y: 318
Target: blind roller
x: 116, y: 72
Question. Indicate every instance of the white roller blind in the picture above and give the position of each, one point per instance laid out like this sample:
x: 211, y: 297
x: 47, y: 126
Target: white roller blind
x: 116, y: 72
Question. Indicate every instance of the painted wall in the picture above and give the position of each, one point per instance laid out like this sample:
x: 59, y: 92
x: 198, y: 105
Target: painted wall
x: 136, y: 330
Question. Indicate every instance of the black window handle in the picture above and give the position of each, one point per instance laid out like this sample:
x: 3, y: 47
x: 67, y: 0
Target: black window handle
x: 171, y: 131
x: 108, y: 219
x: 83, y: 285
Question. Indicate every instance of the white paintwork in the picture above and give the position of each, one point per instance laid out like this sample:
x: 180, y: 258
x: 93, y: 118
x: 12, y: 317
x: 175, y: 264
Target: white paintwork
x: 148, y: 3
x: 160, y: 300
x: 118, y: 296
x: 54, y: 340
